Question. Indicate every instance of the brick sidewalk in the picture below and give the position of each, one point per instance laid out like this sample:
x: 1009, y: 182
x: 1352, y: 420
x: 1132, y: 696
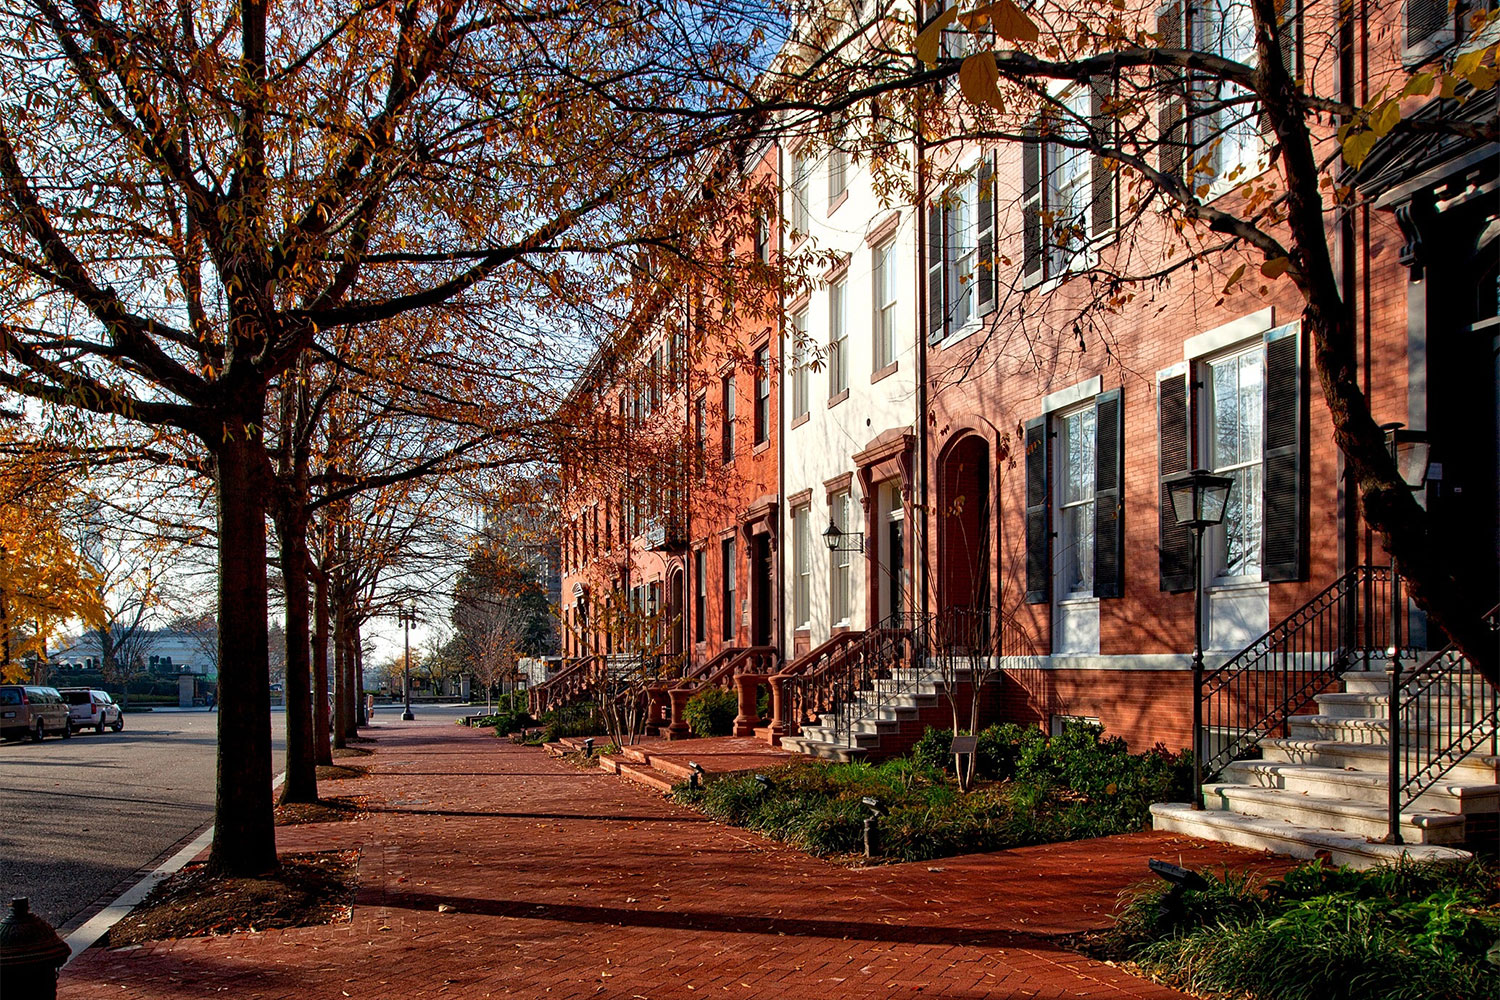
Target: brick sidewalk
x: 563, y: 883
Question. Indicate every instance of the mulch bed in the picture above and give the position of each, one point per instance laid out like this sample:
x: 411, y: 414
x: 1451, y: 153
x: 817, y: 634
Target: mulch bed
x: 308, y: 889
x: 352, y: 752
x: 338, y: 772
x: 333, y: 809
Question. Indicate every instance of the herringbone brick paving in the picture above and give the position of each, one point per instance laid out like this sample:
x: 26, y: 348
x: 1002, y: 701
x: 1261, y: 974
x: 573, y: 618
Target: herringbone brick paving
x: 555, y: 882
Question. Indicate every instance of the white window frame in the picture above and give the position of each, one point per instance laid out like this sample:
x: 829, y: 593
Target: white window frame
x: 838, y: 336
x: 1068, y: 188
x: 838, y: 174
x: 1230, y: 137
x: 1242, y: 470
x: 802, y: 556
x: 841, y: 562
x: 801, y: 369
x: 1068, y: 537
x: 884, y: 321
x: 961, y: 256
x: 801, y: 195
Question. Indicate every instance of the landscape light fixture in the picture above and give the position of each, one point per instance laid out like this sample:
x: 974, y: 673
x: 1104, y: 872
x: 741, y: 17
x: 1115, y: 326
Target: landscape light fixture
x: 764, y: 783
x: 695, y: 775
x: 1199, y: 499
x: 839, y: 540
x: 588, y: 747
x: 1181, y: 880
x: 872, y: 824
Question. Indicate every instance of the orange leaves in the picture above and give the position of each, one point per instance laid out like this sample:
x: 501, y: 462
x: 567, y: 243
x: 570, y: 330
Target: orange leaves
x: 1008, y: 22
x: 979, y: 80
x: 1275, y: 267
x: 930, y: 39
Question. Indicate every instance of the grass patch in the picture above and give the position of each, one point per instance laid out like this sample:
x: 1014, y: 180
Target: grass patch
x: 334, y: 809
x: 306, y: 890
x: 1410, y: 931
x: 1076, y: 785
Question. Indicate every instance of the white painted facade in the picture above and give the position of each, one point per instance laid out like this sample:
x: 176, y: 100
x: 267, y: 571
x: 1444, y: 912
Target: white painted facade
x: 854, y: 392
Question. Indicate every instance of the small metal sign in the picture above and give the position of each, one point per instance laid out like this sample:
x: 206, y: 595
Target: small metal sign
x: 965, y: 744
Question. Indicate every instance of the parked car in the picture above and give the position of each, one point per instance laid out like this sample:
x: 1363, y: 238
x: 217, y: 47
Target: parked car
x: 92, y: 707
x: 29, y: 709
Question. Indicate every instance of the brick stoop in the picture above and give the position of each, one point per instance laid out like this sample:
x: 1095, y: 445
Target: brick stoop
x: 1323, y: 791
x: 663, y: 764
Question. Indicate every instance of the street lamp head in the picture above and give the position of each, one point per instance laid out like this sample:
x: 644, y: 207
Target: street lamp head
x: 831, y: 536
x: 1412, y: 452
x: 1199, y: 498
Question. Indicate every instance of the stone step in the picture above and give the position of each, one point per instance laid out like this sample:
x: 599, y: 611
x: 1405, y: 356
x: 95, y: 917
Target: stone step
x: 1282, y: 837
x: 821, y: 749
x: 1344, y: 815
x: 1344, y: 730
x: 1367, y: 787
x: 825, y: 734
x: 1377, y: 706
x: 1475, y: 769
x: 651, y: 777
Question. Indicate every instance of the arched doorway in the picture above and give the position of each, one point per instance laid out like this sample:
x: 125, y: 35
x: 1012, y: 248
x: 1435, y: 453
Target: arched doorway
x: 964, y: 528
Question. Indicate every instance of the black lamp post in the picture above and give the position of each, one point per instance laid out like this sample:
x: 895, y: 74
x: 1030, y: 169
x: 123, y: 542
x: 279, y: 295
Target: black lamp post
x: 408, y: 617
x: 1411, y: 452
x: 1198, y: 501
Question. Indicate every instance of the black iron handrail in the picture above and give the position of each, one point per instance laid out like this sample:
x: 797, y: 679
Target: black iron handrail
x: 1255, y: 693
x: 1440, y: 712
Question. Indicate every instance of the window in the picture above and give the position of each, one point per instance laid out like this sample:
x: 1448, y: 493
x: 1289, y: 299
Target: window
x: 838, y: 339
x: 802, y: 554
x: 700, y: 434
x: 762, y: 238
x: 700, y: 597
x: 801, y: 195
x: 1075, y: 501
x: 885, y: 305
x: 1068, y: 193
x: 726, y: 389
x: 762, y: 395
x: 838, y: 175
x: 961, y: 254
x: 1209, y: 128
x: 1074, y: 465
x: 1246, y: 419
x: 727, y: 568
x: 800, y: 368
x: 1234, y: 390
x: 839, y: 599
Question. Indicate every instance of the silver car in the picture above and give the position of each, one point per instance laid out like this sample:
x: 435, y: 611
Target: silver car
x: 92, y: 708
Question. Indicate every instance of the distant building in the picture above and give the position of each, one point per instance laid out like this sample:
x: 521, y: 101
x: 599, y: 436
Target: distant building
x: 165, y: 651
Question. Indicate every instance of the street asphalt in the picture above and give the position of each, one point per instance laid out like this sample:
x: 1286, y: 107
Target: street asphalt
x: 82, y: 819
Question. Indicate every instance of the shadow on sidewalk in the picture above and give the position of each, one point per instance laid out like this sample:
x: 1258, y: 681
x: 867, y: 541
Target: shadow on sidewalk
x: 581, y: 817
x: 737, y: 923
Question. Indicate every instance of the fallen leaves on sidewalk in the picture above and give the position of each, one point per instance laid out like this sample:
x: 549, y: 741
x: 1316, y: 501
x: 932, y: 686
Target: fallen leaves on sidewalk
x: 333, y: 809
x: 308, y: 889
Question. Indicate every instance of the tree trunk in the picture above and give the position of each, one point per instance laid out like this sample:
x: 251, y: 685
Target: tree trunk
x: 301, y: 784
x: 322, y: 753
x: 340, y: 678
x: 244, y: 841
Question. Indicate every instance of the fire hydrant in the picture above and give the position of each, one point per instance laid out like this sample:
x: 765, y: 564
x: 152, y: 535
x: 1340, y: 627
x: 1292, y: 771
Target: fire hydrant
x: 30, y: 954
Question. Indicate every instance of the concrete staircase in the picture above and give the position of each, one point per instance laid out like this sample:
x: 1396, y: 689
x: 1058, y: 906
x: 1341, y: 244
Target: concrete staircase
x: 1322, y: 791
x: 884, y: 720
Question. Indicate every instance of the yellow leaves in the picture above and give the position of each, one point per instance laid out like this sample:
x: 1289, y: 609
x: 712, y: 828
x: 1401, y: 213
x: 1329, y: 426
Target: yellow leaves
x: 1385, y: 118
x: 1234, y: 279
x: 1358, y: 146
x: 1420, y: 85
x: 1011, y: 22
x: 1276, y: 267
x: 931, y: 37
x: 979, y: 80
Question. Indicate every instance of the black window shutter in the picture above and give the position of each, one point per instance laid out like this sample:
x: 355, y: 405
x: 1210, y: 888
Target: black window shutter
x: 1170, y: 116
x: 1283, y: 506
x: 1031, y: 207
x: 1038, y: 528
x: 987, y: 294
x: 1175, y: 541
x: 937, y: 308
x: 1109, y: 496
x: 1102, y: 124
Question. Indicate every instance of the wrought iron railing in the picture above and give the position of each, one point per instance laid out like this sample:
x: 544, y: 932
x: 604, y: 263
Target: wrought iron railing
x: 1440, y: 712
x: 803, y: 681
x: 565, y: 687
x: 1256, y: 692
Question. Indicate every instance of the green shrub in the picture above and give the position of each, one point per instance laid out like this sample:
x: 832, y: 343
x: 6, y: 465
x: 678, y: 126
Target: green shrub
x: 509, y: 722
x: 711, y: 712
x: 1408, y: 931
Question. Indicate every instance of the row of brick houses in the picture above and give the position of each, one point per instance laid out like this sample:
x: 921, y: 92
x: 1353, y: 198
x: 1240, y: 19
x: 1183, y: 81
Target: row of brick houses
x: 942, y: 425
